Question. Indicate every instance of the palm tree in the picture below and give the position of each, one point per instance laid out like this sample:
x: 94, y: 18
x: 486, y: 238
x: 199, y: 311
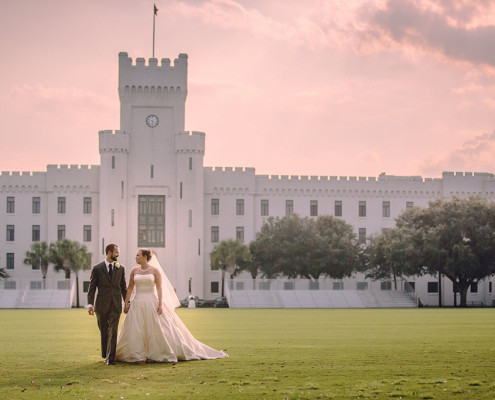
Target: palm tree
x: 38, y: 257
x: 70, y: 256
x: 229, y: 255
x: 3, y: 274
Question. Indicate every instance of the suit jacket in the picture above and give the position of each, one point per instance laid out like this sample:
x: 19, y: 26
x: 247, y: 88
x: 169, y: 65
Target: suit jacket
x: 111, y: 291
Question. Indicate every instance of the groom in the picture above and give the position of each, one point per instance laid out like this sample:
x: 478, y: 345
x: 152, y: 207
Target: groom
x: 109, y: 277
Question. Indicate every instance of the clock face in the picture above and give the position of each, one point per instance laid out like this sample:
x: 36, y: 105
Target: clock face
x: 152, y: 121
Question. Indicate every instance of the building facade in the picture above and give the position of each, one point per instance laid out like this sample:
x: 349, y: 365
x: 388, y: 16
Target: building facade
x: 152, y: 190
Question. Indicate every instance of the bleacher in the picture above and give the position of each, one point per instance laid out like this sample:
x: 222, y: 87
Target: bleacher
x: 319, y: 299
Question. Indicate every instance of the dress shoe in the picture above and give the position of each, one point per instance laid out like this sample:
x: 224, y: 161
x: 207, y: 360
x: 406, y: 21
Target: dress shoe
x: 110, y: 362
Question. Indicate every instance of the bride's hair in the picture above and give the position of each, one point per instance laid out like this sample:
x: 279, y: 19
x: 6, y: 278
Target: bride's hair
x: 146, y: 253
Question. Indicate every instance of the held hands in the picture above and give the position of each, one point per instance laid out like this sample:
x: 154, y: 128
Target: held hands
x: 126, y: 307
x: 91, y: 311
x: 159, y: 310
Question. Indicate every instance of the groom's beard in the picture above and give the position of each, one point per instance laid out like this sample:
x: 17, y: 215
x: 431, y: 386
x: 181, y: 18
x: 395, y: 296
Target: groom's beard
x: 114, y: 258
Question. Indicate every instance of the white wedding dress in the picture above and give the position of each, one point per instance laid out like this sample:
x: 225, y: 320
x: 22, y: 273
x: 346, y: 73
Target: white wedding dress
x: 148, y: 336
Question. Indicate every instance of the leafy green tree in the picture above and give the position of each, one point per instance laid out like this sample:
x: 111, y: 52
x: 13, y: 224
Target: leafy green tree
x: 70, y: 256
x: 38, y: 257
x: 229, y: 256
x: 3, y: 274
x: 454, y: 237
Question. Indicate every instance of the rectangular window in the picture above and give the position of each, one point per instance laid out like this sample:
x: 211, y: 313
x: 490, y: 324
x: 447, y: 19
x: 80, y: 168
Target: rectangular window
x: 10, y: 261
x: 180, y: 191
x: 190, y: 218
x: 10, y: 205
x: 190, y: 163
x: 489, y: 287
x: 386, y: 285
x: 36, y: 205
x: 338, y: 285
x: 239, y: 233
x: 10, y: 233
x: 113, y: 162
x: 264, y: 208
x: 85, y: 286
x: 338, y: 208
x: 409, y: 204
x: 122, y: 189
x: 314, y: 285
x: 112, y: 217
x: 410, y: 286
x: 386, y: 209
x: 239, y: 207
x: 289, y: 207
x: 199, y: 247
x: 474, y: 287
x: 151, y: 221
x: 214, y: 287
x: 36, y: 267
x: 61, y: 205
x: 239, y: 286
x: 151, y: 171
x: 87, y: 233
x: 60, y: 232
x: 362, y: 286
x: 35, y: 285
x: 362, y: 209
x: 87, y: 205
x: 9, y: 285
x: 432, y: 287
x: 35, y: 233
x: 215, y: 234
x: 289, y: 286
x: 313, y: 208
x: 264, y: 285
x: 362, y: 235
x: 215, y: 206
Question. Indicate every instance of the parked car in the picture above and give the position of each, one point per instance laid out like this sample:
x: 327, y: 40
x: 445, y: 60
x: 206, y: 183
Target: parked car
x: 221, y: 302
x: 205, y: 303
x: 185, y: 302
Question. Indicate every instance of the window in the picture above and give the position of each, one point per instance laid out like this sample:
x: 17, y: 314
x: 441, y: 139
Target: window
x: 10, y: 233
x: 386, y: 209
x: 35, y: 285
x: 190, y: 163
x: 113, y: 162
x: 87, y: 205
x: 112, y: 217
x: 409, y: 204
x: 264, y: 285
x: 338, y: 285
x: 85, y: 286
x: 35, y: 233
x: 214, y: 287
x: 289, y: 207
x: 199, y: 247
x: 215, y: 234
x: 36, y: 205
x: 61, y: 205
x: 239, y: 234
x: 432, y: 287
x: 10, y: 261
x: 239, y: 207
x: 36, y: 267
x: 239, y: 286
x: 362, y: 235
x: 10, y: 205
x: 60, y: 232
x: 362, y: 209
x: 190, y: 218
x: 9, y: 285
x: 362, y: 286
x: 215, y: 206
x: 289, y: 286
x: 314, y: 285
x: 87, y: 233
x: 151, y: 171
x: 338, y: 208
x: 180, y: 191
x: 151, y: 221
x: 386, y: 285
x: 474, y: 287
x: 313, y: 208
x: 264, y: 208
x: 410, y: 286
x: 122, y: 189
x: 489, y: 287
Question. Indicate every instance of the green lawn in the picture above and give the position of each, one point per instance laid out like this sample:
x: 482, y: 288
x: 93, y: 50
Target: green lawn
x: 275, y: 354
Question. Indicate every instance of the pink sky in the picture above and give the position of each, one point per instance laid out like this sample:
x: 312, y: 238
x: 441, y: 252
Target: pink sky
x: 298, y: 87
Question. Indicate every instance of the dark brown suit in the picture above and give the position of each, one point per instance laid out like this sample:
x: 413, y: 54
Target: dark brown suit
x: 108, y: 306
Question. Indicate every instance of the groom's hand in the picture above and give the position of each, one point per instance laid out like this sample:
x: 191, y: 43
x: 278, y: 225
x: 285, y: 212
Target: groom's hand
x: 91, y: 311
x: 126, y: 308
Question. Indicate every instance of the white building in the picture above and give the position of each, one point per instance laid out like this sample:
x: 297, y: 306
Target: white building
x: 152, y: 190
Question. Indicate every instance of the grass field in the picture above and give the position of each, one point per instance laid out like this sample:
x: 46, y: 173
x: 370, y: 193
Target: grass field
x: 274, y: 354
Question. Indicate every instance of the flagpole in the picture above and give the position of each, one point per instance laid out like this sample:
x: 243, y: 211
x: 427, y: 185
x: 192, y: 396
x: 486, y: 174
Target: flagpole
x: 154, y: 13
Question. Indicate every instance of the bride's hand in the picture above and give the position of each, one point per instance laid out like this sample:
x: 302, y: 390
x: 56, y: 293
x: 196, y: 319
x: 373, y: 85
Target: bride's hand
x: 159, y: 310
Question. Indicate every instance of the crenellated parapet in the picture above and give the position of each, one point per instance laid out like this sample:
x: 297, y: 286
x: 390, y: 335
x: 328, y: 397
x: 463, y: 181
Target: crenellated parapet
x: 152, y: 80
x: 113, y: 141
x: 229, y: 180
x: 190, y: 143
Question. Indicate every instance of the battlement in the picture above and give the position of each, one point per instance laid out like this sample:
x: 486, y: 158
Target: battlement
x: 113, y: 141
x: 152, y: 80
x: 190, y: 142
x: 230, y: 170
x: 468, y: 174
x: 71, y: 167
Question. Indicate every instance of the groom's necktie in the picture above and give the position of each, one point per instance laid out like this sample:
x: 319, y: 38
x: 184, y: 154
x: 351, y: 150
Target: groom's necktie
x: 110, y: 269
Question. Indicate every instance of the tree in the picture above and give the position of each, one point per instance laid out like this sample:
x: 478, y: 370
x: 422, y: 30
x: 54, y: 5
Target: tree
x: 229, y: 256
x: 301, y: 247
x: 70, y: 256
x: 3, y: 274
x: 38, y: 257
x: 454, y: 237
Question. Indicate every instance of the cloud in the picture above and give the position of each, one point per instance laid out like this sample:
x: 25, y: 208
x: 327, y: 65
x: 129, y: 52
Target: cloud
x: 475, y: 154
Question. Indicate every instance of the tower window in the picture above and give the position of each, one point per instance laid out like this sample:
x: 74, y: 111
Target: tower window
x: 87, y: 205
x: 61, y: 205
x: 151, y: 221
x: 10, y: 205
x: 36, y: 205
x: 264, y: 208
x: 113, y: 162
x: 239, y: 207
x: 338, y: 208
x: 289, y: 207
x: 215, y: 206
x: 190, y: 163
x: 313, y: 208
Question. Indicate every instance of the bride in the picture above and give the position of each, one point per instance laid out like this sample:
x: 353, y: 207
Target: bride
x: 152, y: 331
